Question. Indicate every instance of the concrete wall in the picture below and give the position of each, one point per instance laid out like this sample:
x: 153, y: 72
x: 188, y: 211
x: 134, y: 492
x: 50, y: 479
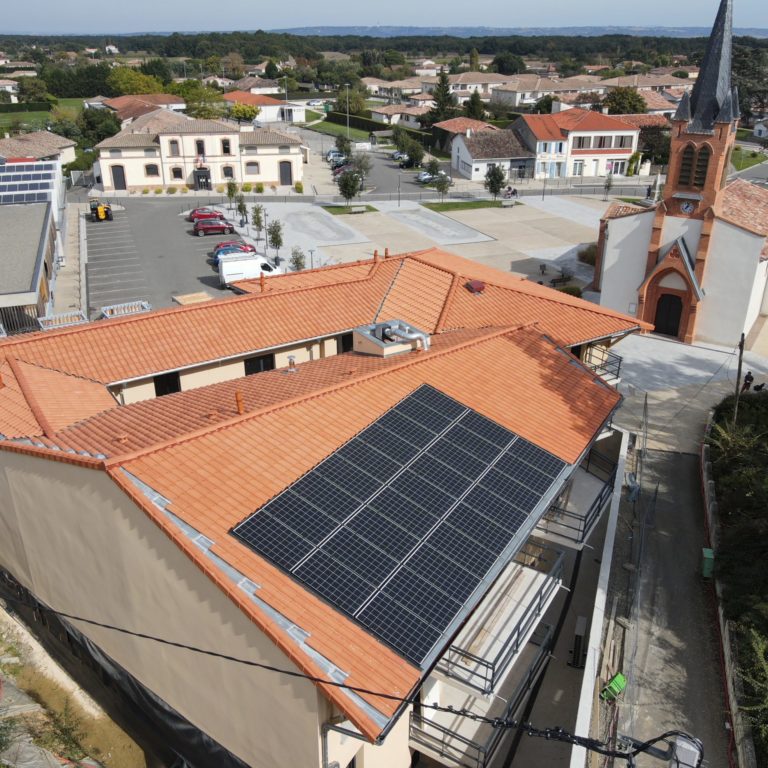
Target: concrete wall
x: 624, y: 261
x: 688, y: 229
x: 77, y: 542
x: 729, y: 283
x: 212, y: 374
x: 136, y: 391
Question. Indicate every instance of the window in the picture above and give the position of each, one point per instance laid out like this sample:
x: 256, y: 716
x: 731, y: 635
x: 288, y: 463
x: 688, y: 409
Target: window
x: 578, y: 168
x: 174, y: 147
x: 544, y: 146
x: 702, y: 165
x: 625, y: 142
x: 150, y: 153
x: 686, y: 166
x: 226, y: 147
x: 284, y: 150
x: 199, y: 146
x: 560, y: 145
x: 151, y: 170
x: 603, y: 142
x: 252, y: 168
x: 345, y: 343
x: 259, y: 364
x: 115, y: 152
x: 177, y: 173
x: 167, y: 384
x: 582, y: 142
x: 228, y: 172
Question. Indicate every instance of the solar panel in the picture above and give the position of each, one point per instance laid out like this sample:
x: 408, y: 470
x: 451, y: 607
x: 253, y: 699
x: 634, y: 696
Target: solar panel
x: 400, y: 526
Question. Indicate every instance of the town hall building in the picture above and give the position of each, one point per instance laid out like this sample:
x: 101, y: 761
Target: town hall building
x: 695, y: 264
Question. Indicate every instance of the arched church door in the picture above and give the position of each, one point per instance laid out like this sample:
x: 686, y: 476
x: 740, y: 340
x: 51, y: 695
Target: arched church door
x: 668, y: 310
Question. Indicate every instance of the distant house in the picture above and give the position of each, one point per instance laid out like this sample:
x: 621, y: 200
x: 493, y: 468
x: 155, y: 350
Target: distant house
x: 256, y: 85
x: 760, y: 130
x: 271, y: 110
x: 473, y: 154
x: 164, y: 148
x: 10, y: 86
x: 112, y: 50
x: 526, y: 89
x: 128, y: 108
x: 444, y: 132
x: 463, y: 84
x: 399, y: 114
x: 374, y: 84
x: 218, y: 82
x: 648, y: 82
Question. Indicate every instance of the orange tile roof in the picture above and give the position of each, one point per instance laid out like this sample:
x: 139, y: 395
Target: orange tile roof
x: 463, y: 124
x: 254, y: 99
x: 648, y: 121
x: 16, y: 417
x: 312, y: 305
x: 620, y: 210
x: 527, y: 385
x: 557, y: 126
x: 745, y: 205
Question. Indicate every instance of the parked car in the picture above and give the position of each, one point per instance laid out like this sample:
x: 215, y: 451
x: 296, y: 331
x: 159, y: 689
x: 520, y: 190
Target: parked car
x: 223, y: 252
x: 234, y: 244
x: 424, y: 177
x: 398, y: 155
x: 408, y: 162
x: 246, y: 267
x: 201, y: 214
x: 213, y: 227
x: 332, y: 154
x: 338, y: 162
x: 315, y: 103
x: 341, y: 169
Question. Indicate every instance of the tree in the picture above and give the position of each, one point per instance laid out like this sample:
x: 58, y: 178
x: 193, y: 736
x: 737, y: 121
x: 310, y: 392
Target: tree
x: 297, y: 260
x: 361, y: 165
x: 655, y: 142
x: 97, y: 125
x: 508, y: 63
x: 400, y: 137
x: 344, y: 145
x: 349, y: 185
x: 233, y: 64
x: 442, y: 185
x: 275, y: 235
x: 625, y: 101
x: 433, y: 166
x: 544, y: 105
x: 356, y: 102
x: 32, y: 89
x: 157, y: 68
x: 126, y: 80
x: 415, y: 151
x: 243, y: 113
x: 445, y: 101
x: 474, y: 60
x: 5, y: 97
x: 271, y: 72
x: 257, y: 219
x: 242, y: 208
x: 474, y: 107
x: 231, y: 191
x: 495, y: 177
x: 204, y: 103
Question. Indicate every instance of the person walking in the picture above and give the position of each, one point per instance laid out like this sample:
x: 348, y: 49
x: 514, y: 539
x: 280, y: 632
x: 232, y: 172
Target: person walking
x: 748, y: 379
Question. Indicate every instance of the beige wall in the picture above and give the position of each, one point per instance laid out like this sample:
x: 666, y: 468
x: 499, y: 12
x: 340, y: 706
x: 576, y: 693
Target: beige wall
x: 136, y: 391
x: 212, y: 374
x: 80, y: 545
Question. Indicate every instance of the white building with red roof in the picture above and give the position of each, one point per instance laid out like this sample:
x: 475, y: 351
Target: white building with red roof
x: 271, y: 109
x: 578, y: 142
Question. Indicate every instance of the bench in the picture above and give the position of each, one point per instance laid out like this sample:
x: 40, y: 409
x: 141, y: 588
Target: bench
x: 508, y: 202
x: 562, y: 280
x: 357, y: 209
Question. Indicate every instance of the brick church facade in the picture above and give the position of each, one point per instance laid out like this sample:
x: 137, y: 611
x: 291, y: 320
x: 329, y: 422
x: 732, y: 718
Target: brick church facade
x: 695, y: 264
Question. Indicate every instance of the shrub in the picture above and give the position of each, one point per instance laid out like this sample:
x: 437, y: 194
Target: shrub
x: 588, y: 254
x: 171, y: 190
x: 571, y: 290
x: 145, y: 191
x: 184, y: 190
x: 247, y: 187
x: 753, y: 154
x: 737, y: 148
x: 259, y: 188
x: 221, y: 189
x: 299, y: 187
x: 158, y: 190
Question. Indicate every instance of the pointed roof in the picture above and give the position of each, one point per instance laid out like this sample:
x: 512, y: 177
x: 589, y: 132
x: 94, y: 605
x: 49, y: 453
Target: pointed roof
x: 713, y: 99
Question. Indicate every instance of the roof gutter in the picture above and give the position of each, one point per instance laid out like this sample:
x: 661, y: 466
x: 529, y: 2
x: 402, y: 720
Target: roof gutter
x: 617, y: 336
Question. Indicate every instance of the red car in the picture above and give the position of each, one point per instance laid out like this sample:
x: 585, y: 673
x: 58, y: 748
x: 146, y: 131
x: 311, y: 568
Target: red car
x: 213, y: 227
x: 201, y: 214
x: 247, y: 247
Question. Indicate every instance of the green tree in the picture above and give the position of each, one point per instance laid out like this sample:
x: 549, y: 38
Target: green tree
x: 655, y: 142
x: 445, y: 101
x: 625, y: 101
x: 32, y: 89
x: 231, y: 191
x: 271, y: 71
x: 415, y: 151
x: 349, y: 185
x: 243, y: 113
x: 297, y: 260
x: 544, y: 105
x: 495, y: 177
x: 442, y: 185
x: 5, y: 97
x: 275, y: 235
x: 433, y: 166
x: 204, y: 103
x: 257, y: 219
x: 750, y: 76
x: 126, y: 80
x: 157, y: 68
x: 344, y: 145
x: 508, y: 63
x: 361, y: 165
x: 242, y: 208
x: 474, y: 107
x: 233, y: 64
x: 97, y: 125
x: 356, y: 102
x: 474, y: 60
x: 400, y: 137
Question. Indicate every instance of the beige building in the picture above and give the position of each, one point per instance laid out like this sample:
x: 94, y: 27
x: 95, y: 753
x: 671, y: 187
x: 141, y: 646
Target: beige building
x: 323, y: 531
x: 164, y: 149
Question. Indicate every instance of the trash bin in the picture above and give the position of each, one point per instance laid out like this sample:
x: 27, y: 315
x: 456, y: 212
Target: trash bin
x: 707, y: 562
x: 615, y: 687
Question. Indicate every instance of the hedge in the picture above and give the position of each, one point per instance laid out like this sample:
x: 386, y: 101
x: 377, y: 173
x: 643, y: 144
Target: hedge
x: 365, y: 124
x: 27, y: 106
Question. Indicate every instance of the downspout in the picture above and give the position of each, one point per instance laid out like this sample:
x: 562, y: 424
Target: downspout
x: 324, y: 729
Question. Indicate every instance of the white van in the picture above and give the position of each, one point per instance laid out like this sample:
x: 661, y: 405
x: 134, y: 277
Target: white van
x: 244, y: 266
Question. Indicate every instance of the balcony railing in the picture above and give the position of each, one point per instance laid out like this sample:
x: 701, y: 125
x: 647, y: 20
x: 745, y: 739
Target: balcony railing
x: 603, y: 362
x: 570, y: 519
x: 439, y: 732
x: 484, y: 674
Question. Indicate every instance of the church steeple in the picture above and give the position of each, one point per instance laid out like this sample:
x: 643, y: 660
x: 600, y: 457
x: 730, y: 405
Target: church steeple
x: 713, y: 99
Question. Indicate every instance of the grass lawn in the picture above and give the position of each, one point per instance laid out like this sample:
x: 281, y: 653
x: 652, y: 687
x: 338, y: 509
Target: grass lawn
x: 629, y: 199
x: 466, y: 205
x: 36, y: 119
x: 340, y: 210
x: 742, y: 158
x: 312, y: 115
x: 332, y: 129
x: 744, y: 134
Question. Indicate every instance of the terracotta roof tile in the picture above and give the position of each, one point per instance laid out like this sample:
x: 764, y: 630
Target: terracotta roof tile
x: 556, y: 126
x: 16, y: 417
x: 745, y: 205
x: 254, y: 99
x: 464, y: 124
x: 620, y: 210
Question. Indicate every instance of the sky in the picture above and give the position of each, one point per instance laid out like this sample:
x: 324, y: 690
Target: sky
x: 56, y: 17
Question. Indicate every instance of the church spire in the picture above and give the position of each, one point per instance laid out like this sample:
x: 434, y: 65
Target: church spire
x: 713, y: 99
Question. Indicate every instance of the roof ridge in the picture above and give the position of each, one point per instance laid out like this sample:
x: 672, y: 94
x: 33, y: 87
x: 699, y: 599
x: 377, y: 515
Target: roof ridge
x: 58, y: 370
x: 34, y: 405
x: 409, y: 360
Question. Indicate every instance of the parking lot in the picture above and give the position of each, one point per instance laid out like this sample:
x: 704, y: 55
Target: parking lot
x: 148, y: 253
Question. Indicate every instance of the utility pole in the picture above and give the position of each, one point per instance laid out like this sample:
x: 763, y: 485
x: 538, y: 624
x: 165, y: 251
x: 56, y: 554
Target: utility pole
x: 738, y: 380
x: 347, y: 87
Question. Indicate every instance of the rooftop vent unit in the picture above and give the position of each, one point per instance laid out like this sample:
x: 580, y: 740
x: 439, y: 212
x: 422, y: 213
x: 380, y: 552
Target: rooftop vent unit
x: 49, y: 322
x: 389, y: 338
x: 121, y: 310
x: 475, y: 286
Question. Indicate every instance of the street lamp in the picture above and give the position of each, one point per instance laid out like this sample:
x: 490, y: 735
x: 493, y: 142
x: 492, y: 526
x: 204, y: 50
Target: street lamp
x: 399, y: 175
x: 346, y: 85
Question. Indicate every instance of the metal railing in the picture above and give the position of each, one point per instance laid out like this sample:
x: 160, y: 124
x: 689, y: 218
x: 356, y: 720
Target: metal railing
x: 603, y: 362
x: 578, y: 525
x: 471, y: 753
x: 484, y: 675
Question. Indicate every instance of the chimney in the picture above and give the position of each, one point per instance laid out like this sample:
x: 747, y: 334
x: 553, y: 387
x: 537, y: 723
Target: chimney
x: 291, y: 364
x: 469, y: 133
x: 386, y: 253
x: 375, y: 255
x: 239, y: 402
x: 262, y: 282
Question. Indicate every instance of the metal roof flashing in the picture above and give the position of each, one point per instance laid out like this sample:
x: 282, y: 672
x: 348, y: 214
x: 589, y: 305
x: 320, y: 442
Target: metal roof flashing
x: 392, y: 337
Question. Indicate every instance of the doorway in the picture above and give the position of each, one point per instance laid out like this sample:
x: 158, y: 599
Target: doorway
x: 118, y: 177
x: 669, y: 308
x: 202, y: 178
x: 286, y: 173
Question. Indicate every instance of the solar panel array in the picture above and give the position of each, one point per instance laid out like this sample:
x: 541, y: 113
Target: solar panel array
x: 401, y: 525
x: 26, y: 182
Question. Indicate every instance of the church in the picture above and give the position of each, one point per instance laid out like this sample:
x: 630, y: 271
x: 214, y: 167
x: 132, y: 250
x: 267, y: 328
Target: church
x: 695, y: 264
